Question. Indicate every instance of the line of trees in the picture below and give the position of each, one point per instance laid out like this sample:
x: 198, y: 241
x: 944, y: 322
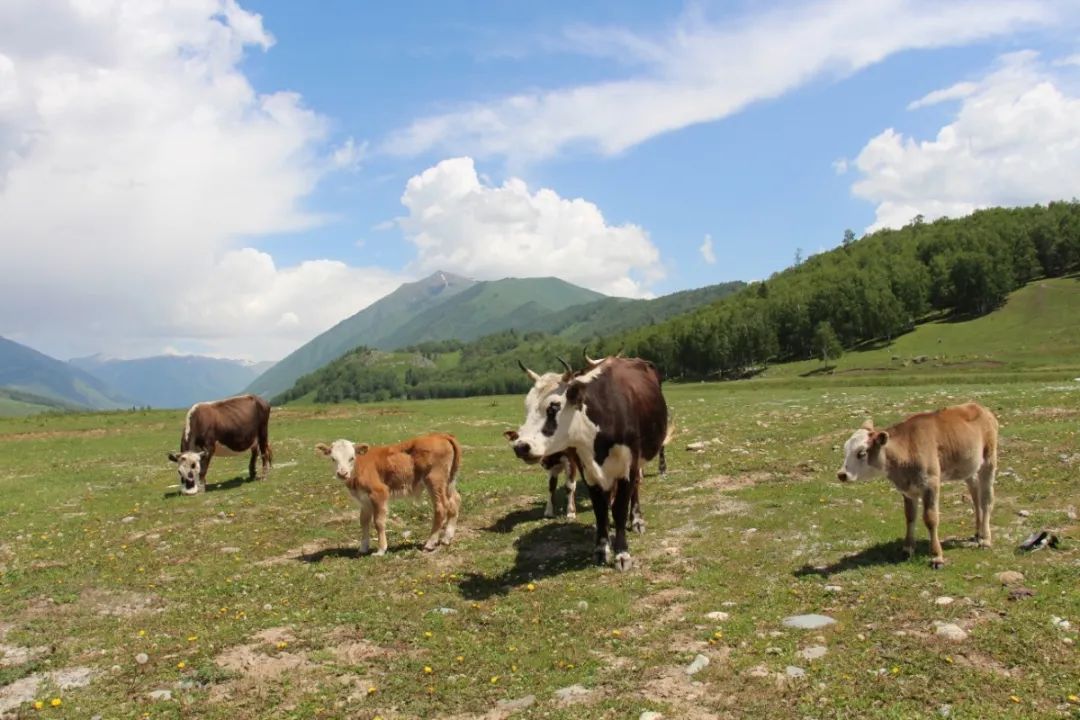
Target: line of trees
x: 870, y: 289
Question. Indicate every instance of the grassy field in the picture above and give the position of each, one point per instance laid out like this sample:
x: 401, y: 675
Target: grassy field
x: 1036, y: 330
x: 251, y: 601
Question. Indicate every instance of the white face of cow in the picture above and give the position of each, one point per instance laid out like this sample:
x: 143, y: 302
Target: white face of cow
x: 860, y: 454
x: 188, y: 467
x: 343, y: 454
x: 548, y: 417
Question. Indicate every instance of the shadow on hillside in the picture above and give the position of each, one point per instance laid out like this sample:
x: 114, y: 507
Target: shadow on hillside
x: 823, y: 370
x: 545, y: 551
x: 229, y: 484
x: 890, y: 553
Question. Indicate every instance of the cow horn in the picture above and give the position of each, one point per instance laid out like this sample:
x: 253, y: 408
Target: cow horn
x: 532, y: 375
x: 569, y: 370
x: 588, y: 360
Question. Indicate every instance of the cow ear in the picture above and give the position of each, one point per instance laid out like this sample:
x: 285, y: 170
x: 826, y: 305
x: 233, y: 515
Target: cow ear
x: 880, y: 438
x: 173, y: 457
x: 511, y: 435
x: 575, y: 394
x: 361, y: 448
x: 323, y: 448
x: 868, y: 425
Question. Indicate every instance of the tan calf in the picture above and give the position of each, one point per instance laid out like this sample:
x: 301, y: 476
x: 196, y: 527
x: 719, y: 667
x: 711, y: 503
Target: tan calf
x: 375, y: 474
x: 956, y: 443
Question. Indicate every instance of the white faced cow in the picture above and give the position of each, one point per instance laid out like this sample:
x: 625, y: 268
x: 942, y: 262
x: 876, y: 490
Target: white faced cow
x: 956, y: 443
x: 614, y: 417
x: 224, y: 427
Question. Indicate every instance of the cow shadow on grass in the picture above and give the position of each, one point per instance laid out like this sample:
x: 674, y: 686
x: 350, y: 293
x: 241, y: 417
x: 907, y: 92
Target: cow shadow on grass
x: 889, y: 553
x: 547, y: 550
x: 229, y: 484
x: 352, y: 552
x: 535, y: 513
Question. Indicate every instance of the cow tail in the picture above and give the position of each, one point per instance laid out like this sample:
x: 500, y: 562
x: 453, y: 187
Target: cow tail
x: 455, y: 463
x: 663, y: 455
x: 269, y: 455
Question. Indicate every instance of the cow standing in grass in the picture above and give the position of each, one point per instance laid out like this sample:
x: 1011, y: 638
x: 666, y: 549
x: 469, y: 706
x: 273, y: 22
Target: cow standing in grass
x: 224, y: 427
x: 375, y: 474
x: 956, y: 443
x: 615, y: 418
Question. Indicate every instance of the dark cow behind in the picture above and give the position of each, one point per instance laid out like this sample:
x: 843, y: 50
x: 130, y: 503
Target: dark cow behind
x: 561, y: 463
x: 614, y: 416
x: 224, y: 427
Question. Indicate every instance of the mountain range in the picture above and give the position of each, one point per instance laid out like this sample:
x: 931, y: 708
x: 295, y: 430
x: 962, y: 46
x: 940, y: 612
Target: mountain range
x: 36, y: 375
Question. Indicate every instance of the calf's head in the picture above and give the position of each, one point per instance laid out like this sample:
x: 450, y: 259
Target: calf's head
x: 188, y: 467
x: 862, y: 453
x: 343, y: 454
x: 550, y: 408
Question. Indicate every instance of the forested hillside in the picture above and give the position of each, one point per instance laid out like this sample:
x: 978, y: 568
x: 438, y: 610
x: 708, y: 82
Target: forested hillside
x: 874, y: 288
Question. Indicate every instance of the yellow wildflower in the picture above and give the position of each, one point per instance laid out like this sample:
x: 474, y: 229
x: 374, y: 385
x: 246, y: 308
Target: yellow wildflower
x: 616, y: 633
x: 372, y: 690
x: 181, y: 665
x: 38, y: 704
x: 427, y: 670
x: 494, y: 680
x: 530, y: 587
x: 56, y: 702
x: 427, y: 633
x: 1014, y: 698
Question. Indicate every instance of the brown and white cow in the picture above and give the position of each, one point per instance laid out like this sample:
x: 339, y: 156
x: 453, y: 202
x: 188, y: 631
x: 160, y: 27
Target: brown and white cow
x: 955, y: 443
x: 232, y: 426
x: 561, y: 463
x: 615, y: 418
x: 375, y: 474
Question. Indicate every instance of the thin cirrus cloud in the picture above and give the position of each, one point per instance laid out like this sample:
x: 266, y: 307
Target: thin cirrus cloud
x: 700, y: 72
x: 708, y: 254
x: 1012, y: 141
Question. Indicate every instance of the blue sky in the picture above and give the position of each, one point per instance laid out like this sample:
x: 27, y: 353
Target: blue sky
x: 263, y: 169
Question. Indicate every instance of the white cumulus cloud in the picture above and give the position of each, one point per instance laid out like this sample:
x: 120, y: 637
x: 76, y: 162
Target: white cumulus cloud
x: 461, y: 223
x: 136, y: 162
x: 701, y: 71
x: 1013, y: 141
x: 706, y: 250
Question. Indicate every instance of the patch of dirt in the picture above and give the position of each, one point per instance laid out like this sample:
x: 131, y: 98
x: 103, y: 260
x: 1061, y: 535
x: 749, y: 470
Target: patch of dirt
x: 260, y: 666
x: 25, y: 689
x: 349, y: 648
x: 350, y: 517
x: 120, y: 603
x: 985, y: 663
x: 12, y: 655
x: 680, y: 691
x: 308, y: 548
x: 735, y: 482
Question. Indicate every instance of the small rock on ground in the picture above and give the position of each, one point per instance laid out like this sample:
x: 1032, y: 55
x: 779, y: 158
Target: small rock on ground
x: 833, y: 588
x: 230, y: 550
x: 944, y: 600
x: 793, y: 671
x: 1010, y: 577
x: 718, y: 616
x: 758, y: 671
x: 700, y: 663
x: 572, y: 692
x: 650, y: 715
x: 814, y: 652
x: 142, y: 658
x: 808, y: 622
x: 951, y: 631
x: 161, y: 695
x: 519, y: 704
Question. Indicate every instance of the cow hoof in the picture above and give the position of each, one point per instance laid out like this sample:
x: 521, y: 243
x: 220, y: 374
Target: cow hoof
x: 623, y: 561
x: 937, y: 563
x: 379, y: 553
x: 570, y: 514
x: 638, y: 526
x: 985, y: 543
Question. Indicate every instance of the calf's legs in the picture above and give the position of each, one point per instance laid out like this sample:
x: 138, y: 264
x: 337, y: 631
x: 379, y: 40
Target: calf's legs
x: 366, y: 511
x: 911, y: 511
x: 930, y: 517
x: 986, y: 502
x: 600, y: 503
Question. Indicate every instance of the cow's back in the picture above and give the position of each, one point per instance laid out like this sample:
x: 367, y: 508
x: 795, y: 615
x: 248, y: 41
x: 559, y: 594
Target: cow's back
x: 235, y: 422
x: 958, y: 439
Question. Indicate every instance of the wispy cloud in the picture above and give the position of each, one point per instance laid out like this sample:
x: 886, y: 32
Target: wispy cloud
x: 706, y: 250
x: 958, y: 91
x: 701, y: 71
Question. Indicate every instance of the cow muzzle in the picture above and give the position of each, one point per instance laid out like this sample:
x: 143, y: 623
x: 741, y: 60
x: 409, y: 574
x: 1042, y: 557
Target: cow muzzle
x: 524, y: 452
x: 188, y: 486
x: 842, y: 476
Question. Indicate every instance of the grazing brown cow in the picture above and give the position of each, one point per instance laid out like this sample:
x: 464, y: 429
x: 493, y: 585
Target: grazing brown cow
x: 375, y: 474
x: 956, y: 443
x: 224, y: 427
x: 557, y: 464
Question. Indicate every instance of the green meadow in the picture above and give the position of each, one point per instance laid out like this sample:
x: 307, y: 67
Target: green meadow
x: 251, y: 600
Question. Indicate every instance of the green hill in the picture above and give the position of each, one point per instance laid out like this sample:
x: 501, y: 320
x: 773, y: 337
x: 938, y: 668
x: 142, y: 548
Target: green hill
x: 15, y: 403
x: 26, y: 370
x: 371, y: 326
x: 613, y: 315
x: 489, y: 307
x: 1037, y: 329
